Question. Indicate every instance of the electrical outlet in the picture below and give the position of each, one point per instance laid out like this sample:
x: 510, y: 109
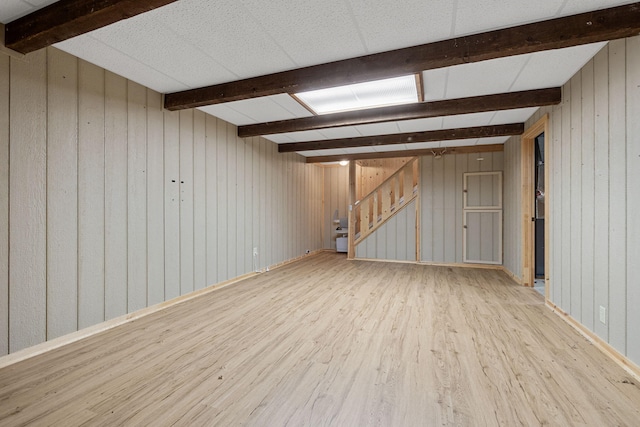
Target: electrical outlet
x: 255, y: 251
x: 603, y: 315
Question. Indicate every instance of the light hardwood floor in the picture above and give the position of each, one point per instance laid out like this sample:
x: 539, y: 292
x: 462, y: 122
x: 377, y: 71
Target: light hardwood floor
x: 325, y: 341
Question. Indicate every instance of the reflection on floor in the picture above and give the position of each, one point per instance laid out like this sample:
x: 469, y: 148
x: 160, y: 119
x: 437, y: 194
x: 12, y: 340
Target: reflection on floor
x: 538, y: 285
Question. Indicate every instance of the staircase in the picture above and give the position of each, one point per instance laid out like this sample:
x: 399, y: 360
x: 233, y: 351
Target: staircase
x: 385, y: 201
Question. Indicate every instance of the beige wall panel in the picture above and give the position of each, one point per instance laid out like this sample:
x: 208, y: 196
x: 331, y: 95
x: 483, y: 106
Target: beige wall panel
x: 426, y: 210
x: 232, y: 199
x: 617, y: 196
x: 223, y: 207
x: 575, y: 167
x: 336, y: 198
x: 199, y: 201
x: 555, y: 205
x: 451, y: 193
x: 115, y: 196
x: 27, y: 207
x: 62, y: 194
x: 565, y: 197
x: 186, y: 202
x: 155, y: 198
x: 394, y: 240
x: 438, y: 236
x: 90, y: 194
x: 261, y: 183
x: 587, y: 196
x: 633, y: 197
x: 512, y: 206
x: 601, y: 187
x: 137, y: 196
x: 240, y: 192
x: 4, y: 204
x: 211, y: 129
x: 171, y: 204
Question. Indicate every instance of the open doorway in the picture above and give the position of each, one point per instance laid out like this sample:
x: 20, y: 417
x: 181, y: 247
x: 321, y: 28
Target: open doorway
x: 535, y: 207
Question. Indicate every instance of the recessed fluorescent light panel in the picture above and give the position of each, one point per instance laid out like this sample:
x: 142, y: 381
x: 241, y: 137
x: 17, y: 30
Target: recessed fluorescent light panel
x: 379, y: 93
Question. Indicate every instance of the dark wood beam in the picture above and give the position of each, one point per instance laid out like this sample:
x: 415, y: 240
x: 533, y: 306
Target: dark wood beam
x: 449, y: 107
x: 69, y: 18
x: 590, y: 27
x: 471, y: 149
x: 406, y: 138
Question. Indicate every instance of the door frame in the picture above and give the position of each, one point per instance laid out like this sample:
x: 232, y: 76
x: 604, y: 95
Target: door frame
x: 527, y: 167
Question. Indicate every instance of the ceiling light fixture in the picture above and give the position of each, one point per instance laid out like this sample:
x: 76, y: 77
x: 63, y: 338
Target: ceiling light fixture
x: 359, y: 96
x: 344, y: 162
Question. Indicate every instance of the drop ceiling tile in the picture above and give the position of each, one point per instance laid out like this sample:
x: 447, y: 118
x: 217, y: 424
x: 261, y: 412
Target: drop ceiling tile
x: 573, y: 7
x: 519, y: 115
x: 554, y: 67
x: 340, y: 132
x: 435, y: 83
x: 423, y: 145
x: 332, y: 152
x: 484, y: 78
x: 467, y: 120
x: 98, y: 53
x: 227, y: 31
x: 309, y: 32
x: 378, y: 129
x: 459, y: 143
x: 287, y: 102
x: 278, y: 139
x: 420, y: 125
x: 228, y: 114
x: 492, y: 140
x: 14, y: 9
x: 474, y: 16
x: 303, y: 136
x: 386, y: 25
x: 390, y: 147
x: 358, y: 150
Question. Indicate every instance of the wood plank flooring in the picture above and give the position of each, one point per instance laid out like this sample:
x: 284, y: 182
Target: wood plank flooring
x: 325, y: 341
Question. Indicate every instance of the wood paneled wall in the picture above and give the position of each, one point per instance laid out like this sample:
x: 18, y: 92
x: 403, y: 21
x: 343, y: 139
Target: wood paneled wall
x: 335, y: 197
x: 108, y: 204
x: 394, y: 240
x: 594, y: 198
x: 441, y: 185
x: 371, y: 173
x: 512, y: 213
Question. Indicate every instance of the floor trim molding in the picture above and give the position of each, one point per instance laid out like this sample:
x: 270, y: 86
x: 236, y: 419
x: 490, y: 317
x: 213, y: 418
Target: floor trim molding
x: 626, y: 364
x: 72, y: 337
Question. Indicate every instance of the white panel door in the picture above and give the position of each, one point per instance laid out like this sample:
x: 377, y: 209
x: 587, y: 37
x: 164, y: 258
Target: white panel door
x: 482, y: 218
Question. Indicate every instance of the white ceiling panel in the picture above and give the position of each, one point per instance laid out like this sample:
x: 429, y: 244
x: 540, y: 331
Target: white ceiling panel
x: 519, y: 115
x: 228, y: 114
x: 391, y: 147
x: 435, y: 83
x: 384, y: 25
x: 572, y: 7
x: 340, y: 132
x: 258, y: 110
x: 467, y: 120
x: 493, y: 140
x: 105, y: 56
x: 311, y: 32
x: 554, y: 67
x: 358, y: 150
x: 14, y: 9
x: 279, y: 138
x: 303, y: 136
x: 420, y: 125
x: 473, y: 16
x: 459, y: 143
x: 332, y: 152
x: 484, y: 78
x: 425, y: 145
x: 377, y: 129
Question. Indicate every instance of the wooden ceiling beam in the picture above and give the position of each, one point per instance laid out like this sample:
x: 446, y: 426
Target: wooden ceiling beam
x: 69, y: 18
x: 470, y: 149
x: 449, y: 107
x: 590, y: 27
x: 406, y: 138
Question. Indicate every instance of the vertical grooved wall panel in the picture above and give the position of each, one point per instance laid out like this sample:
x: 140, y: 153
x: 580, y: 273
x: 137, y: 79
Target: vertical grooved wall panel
x: 91, y: 142
x: 186, y: 202
x: 27, y: 206
x: 137, y: 197
x: 115, y: 196
x: 116, y: 204
x: 155, y: 199
x: 62, y: 194
x: 4, y: 204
